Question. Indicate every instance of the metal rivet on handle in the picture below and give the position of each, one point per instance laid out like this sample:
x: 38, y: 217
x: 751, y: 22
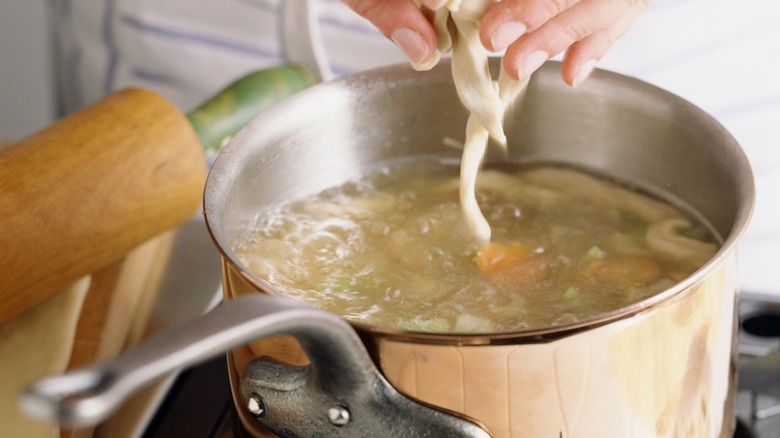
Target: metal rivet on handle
x: 338, y: 416
x: 255, y: 406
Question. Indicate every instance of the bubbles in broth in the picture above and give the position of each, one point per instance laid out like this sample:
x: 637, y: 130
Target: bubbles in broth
x: 394, y: 250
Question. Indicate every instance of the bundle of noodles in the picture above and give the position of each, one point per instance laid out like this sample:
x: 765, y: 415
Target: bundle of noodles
x: 457, y: 26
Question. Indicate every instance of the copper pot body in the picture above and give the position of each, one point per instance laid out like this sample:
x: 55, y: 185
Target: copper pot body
x: 663, y: 367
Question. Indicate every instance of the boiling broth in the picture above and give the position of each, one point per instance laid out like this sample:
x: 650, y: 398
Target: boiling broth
x: 394, y: 250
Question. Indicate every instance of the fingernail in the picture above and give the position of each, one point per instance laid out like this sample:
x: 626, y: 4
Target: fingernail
x: 583, y: 73
x: 531, y: 63
x: 506, y: 33
x: 412, y: 43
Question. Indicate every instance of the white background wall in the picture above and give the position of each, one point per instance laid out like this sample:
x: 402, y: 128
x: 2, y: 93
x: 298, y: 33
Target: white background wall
x: 26, y: 79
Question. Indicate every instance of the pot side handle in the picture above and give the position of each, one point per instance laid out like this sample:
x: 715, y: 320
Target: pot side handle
x: 341, y: 376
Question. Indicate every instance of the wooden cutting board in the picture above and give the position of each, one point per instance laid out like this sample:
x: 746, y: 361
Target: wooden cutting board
x: 115, y: 303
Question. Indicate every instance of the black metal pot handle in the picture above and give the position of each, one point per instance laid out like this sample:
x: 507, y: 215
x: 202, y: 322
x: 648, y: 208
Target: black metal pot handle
x: 340, y: 394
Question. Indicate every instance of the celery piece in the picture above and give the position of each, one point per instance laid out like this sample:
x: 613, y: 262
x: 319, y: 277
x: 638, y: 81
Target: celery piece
x: 418, y: 324
x: 343, y: 284
x: 594, y: 253
x: 571, y: 292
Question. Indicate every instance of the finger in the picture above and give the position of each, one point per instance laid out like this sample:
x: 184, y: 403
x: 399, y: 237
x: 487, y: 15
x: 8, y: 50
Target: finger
x: 506, y: 21
x: 530, y: 51
x: 434, y: 4
x: 582, y: 56
x: 403, y: 23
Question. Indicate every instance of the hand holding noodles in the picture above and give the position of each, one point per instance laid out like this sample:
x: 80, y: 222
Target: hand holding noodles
x: 530, y: 31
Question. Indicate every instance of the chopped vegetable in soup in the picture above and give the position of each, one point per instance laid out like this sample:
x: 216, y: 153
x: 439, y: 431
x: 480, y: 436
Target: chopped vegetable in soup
x: 394, y: 249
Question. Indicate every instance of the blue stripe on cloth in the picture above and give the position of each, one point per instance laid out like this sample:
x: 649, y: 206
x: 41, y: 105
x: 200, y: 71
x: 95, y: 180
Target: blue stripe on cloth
x: 351, y: 27
x: 197, y: 38
x: 71, y: 94
x: 261, y: 5
x: 63, y: 8
x: 113, y: 52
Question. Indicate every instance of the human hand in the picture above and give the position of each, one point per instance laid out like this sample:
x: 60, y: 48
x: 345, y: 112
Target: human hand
x: 531, y: 31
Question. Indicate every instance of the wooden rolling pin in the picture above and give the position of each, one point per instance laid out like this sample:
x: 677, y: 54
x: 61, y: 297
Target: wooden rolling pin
x: 78, y: 195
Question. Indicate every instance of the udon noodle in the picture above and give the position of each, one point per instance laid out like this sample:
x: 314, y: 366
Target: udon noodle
x: 457, y: 27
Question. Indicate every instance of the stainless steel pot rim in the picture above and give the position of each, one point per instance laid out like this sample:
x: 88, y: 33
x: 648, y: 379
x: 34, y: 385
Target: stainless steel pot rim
x: 219, y: 182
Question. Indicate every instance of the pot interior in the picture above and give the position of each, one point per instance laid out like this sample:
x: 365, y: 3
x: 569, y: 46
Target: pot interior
x: 612, y: 125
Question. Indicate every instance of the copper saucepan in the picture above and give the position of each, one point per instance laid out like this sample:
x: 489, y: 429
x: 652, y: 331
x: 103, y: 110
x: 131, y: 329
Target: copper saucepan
x: 663, y: 367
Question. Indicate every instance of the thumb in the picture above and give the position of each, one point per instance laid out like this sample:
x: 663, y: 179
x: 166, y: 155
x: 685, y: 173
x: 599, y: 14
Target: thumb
x: 403, y: 23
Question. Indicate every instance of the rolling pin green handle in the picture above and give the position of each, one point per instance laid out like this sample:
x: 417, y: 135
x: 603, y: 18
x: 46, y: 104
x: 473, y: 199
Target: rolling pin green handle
x: 219, y: 118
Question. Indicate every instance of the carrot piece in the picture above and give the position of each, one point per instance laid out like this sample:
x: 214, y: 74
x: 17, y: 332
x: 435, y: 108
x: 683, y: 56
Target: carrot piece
x: 628, y: 270
x: 525, y: 275
x: 511, y: 265
x: 494, y: 257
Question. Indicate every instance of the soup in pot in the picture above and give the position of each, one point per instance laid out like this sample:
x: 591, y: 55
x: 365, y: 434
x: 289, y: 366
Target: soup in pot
x: 393, y: 249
